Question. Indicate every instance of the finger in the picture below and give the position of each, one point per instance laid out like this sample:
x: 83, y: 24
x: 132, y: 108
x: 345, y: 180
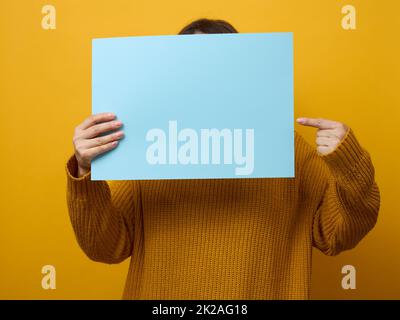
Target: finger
x: 317, y: 123
x: 94, y: 152
x: 98, y: 141
x: 324, y: 149
x: 96, y: 118
x: 325, y: 133
x: 323, y: 141
x: 100, y: 128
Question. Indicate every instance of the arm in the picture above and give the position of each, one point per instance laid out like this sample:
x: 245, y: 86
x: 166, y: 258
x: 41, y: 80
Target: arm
x: 102, y: 215
x: 350, y: 200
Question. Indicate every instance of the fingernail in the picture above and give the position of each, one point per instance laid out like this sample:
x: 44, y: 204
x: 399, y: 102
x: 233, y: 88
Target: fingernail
x: 300, y: 120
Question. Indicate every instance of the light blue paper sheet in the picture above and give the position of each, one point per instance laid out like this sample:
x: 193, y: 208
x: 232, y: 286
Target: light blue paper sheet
x: 179, y: 92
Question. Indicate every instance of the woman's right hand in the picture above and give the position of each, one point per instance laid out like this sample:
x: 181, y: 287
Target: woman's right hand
x: 87, y: 140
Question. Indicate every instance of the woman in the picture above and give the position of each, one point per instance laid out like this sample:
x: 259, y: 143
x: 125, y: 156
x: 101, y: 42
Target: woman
x: 223, y: 238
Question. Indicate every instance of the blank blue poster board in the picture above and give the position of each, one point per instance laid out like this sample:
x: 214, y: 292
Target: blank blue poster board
x: 196, y: 106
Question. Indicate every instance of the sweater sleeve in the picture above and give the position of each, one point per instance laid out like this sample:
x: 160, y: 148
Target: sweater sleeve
x: 349, y: 203
x: 101, y: 214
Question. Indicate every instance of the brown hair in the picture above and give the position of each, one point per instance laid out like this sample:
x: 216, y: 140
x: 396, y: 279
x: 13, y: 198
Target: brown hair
x: 208, y: 26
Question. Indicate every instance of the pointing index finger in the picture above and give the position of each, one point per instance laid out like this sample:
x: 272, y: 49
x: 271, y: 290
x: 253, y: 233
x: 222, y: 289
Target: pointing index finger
x: 317, y: 123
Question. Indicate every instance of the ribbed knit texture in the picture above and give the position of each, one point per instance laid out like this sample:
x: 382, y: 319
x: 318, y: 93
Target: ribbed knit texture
x: 227, y: 238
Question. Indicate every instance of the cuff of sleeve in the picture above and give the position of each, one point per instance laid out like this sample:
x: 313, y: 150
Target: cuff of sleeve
x: 72, y: 170
x: 82, y: 187
x: 347, y: 156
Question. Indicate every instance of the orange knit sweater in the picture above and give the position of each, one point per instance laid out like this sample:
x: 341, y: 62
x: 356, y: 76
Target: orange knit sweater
x: 227, y: 238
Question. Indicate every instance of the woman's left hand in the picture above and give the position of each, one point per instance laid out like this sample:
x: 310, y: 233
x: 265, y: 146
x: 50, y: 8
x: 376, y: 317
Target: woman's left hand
x: 329, y: 135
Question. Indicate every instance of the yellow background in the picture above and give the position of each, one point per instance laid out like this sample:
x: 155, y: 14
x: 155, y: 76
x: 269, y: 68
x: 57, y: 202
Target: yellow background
x: 45, y: 91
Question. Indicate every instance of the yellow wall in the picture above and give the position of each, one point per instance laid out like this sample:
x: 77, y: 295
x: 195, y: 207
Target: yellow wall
x: 45, y: 91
